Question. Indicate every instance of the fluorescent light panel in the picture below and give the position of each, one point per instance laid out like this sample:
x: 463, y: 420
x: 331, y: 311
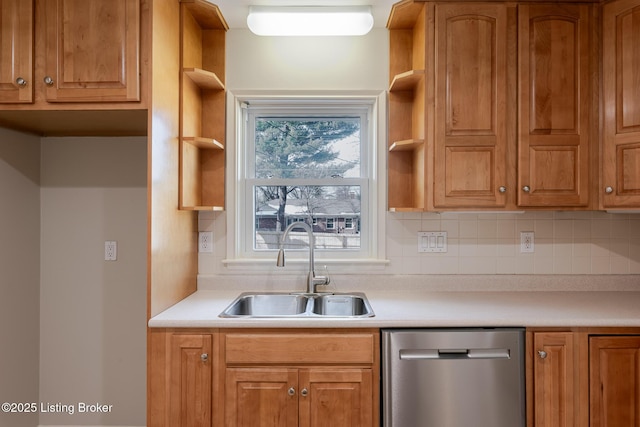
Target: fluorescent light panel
x: 310, y: 20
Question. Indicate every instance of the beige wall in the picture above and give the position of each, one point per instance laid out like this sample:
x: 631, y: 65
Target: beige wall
x: 93, y: 312
x: 72, y: 326
x: 307, y: 63
x: 19, y: 272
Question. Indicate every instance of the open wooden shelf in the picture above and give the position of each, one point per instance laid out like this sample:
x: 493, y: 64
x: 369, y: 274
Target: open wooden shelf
x: 204, y: 79
x: 406, y: 145
x: 202, y: 107
x: 406, y: 81
x: 201, y: 174
x: 204, y: 143
x: 406, y: 185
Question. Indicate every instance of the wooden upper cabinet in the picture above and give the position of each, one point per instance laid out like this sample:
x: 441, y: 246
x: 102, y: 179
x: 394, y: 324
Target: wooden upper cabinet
x: 620, y: 185
x: 92, y: 50
x: 16, y: 51
x: 471, y: 145
x: 555, y: 105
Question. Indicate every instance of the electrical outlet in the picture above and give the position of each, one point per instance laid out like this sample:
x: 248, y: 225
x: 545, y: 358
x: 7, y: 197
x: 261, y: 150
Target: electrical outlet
x: 526, y: 242
x: 110, y: 250
x: 205, y: 241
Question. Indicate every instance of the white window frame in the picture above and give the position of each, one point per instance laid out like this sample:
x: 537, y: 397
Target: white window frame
x: 333, y: 223
x: 240, y: 254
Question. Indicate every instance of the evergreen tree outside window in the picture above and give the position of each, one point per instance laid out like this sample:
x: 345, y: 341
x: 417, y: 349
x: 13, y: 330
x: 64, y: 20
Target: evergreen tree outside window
x: 311, y: 162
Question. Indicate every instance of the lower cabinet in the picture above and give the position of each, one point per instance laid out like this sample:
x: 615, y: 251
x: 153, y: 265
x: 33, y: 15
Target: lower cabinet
x: 615, y: 381
x: 264, y: 378
x: 588, y: 377
x: 306, y: 378
x: 298, y: 397
x: 180, y: 378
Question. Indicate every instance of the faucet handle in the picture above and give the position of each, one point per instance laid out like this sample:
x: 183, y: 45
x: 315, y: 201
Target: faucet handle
x: 323, y: 280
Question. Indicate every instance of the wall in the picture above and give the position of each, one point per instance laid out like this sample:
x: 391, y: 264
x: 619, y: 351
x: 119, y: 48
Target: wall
x: 93, y: 312
x: 565, y: 242
x: 19, y: 272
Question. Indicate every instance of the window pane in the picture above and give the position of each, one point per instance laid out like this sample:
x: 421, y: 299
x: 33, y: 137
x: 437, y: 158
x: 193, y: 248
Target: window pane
x: 307, y: 147
x: 334, y: 212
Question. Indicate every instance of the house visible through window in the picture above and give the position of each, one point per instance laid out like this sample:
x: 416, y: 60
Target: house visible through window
x: 306, y: 161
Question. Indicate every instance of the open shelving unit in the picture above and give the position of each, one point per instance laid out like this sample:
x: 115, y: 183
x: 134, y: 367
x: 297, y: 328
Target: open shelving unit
x: 202, y: 106
x: 407, y: 102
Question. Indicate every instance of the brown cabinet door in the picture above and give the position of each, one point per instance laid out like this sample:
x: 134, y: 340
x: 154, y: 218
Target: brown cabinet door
x: 92, y: 50
x: 261, y: 397
x: 620, y: 183
x: 555, y: 105
x: 470, y: 158
x: 190, y: 380
x: 336, y: 397
x: 16, y: 51
x: 615, y: 381
x: 553, y: 377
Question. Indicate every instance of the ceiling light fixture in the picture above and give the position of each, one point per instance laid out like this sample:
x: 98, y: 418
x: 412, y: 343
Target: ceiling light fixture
x: 310, y: 20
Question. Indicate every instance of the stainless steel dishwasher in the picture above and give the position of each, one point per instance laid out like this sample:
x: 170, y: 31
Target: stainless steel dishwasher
x: 453, y: 377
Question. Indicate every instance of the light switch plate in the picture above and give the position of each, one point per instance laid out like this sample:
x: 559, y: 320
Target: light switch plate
x: 432, y: 241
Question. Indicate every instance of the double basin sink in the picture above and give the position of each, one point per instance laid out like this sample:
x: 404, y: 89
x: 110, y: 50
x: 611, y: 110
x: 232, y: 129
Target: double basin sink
x: 255, y: 305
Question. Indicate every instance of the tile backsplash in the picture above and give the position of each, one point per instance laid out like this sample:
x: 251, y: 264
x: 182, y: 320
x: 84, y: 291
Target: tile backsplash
x: 489, y: 243
x: 570, y: 243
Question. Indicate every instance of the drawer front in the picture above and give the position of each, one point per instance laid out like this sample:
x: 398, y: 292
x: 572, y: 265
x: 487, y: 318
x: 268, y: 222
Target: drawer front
x: 292, y: 348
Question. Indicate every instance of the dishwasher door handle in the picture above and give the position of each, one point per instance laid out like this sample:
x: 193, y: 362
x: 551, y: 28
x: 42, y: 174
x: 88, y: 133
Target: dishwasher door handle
x: 455, y: 353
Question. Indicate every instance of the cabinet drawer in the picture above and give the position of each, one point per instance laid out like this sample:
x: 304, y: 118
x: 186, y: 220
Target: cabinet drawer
x: 292, y: 348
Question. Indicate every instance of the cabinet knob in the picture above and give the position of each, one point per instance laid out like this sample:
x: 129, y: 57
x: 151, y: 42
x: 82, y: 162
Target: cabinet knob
x: 502, y: 189
x: 608, y: 190
x: 291, y: 391
x: 21, y: 82
x: 526, y: 189
x: 304, y: 392
x: 48, y: 80
x: 542, y: 354
x: 204, y: 357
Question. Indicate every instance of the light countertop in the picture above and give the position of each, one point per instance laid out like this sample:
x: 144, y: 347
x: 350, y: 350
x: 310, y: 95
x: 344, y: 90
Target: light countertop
x: 415, y: 307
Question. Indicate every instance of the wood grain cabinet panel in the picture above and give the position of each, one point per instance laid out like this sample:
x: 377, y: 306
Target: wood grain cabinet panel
x: 16, y: 51
x: 261, y: 397
x: 615, y: 381
x: 553, y: 378
x: 585, y: 377
x: 336, y: 397
x: 306, y: 378
x: 620, y: 184
x: 555, y: 105
x: 191, y: 381
x: 92, y: 50
x: 470, y: 158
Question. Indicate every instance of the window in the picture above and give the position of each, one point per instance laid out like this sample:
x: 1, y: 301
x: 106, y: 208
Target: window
x: 306, y: 160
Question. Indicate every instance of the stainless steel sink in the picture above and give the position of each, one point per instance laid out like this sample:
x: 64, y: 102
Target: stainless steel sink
x: 263, y: 305
x: 341, y: 305
x: 256, y: 305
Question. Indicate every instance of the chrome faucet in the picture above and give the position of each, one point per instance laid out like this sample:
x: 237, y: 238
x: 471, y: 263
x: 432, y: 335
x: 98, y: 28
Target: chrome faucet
x: 312, y: 279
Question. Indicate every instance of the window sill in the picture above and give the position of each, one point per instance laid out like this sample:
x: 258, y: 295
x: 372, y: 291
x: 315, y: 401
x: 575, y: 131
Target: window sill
x: 295, y: 265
